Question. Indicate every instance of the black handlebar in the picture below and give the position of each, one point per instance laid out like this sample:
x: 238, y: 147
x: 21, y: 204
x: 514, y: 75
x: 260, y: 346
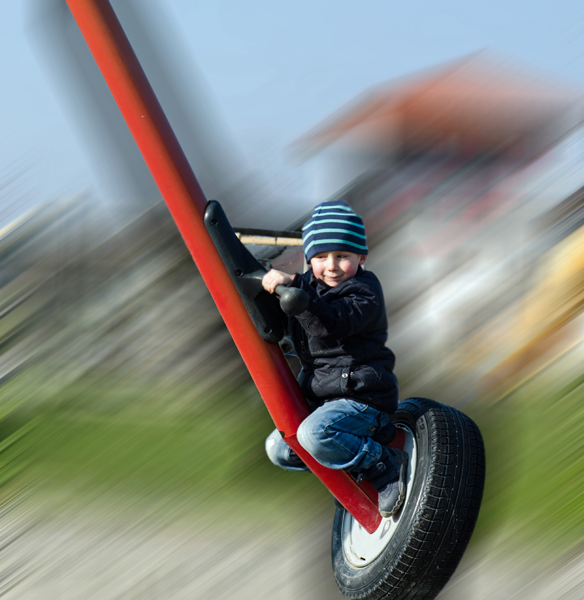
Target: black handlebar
x: 247, y: 272
x: 293, y: 301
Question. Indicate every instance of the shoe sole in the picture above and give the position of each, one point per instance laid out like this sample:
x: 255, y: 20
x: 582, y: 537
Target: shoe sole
x: 403, y: 472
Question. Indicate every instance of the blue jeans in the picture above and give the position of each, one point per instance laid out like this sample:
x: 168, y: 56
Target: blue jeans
x: 338, y: 435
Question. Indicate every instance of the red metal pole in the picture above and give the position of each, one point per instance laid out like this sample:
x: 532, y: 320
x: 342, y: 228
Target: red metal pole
x: 185, y: 199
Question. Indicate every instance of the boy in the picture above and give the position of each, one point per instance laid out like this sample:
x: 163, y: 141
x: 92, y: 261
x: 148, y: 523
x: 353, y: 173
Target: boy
x: 347, y: 371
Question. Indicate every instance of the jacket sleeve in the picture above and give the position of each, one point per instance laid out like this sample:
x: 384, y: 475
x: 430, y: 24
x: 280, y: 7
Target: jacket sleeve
x: 341, y: 317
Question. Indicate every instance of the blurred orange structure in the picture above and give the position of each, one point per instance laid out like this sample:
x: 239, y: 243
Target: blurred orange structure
x: 470, y: 107
x: 543, y: 330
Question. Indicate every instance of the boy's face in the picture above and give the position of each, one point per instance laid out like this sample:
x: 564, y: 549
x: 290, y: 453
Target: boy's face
x: 335, y: 267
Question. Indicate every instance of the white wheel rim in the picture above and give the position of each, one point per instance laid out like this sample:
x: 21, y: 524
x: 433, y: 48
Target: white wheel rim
x: 362, y: 548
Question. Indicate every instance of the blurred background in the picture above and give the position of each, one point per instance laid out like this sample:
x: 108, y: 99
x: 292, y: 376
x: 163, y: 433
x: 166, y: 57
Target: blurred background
x: 131, y: 436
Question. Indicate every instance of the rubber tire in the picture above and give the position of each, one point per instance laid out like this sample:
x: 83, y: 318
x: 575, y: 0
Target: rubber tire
x: 438, y: 516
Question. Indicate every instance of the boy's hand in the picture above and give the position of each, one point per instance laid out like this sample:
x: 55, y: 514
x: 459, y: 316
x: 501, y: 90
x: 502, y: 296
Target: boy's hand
x: 274, y: 278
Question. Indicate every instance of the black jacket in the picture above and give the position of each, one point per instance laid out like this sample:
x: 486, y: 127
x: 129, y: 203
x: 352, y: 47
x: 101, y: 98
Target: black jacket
x: 340, y: 342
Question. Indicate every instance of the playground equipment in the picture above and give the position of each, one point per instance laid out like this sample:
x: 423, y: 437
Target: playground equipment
x: 413, y: 553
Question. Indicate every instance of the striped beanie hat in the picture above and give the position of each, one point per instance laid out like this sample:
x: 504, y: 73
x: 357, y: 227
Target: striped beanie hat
x: 333, y: 226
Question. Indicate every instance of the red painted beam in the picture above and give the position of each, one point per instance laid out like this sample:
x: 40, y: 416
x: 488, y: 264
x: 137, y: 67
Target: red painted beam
x: 180, y: 189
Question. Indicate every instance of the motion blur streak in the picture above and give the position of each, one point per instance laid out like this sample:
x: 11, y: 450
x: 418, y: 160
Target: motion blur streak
x: 131, y: 437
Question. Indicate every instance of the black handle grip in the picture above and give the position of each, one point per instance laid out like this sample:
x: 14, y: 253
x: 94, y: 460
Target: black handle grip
x: 293, y: 301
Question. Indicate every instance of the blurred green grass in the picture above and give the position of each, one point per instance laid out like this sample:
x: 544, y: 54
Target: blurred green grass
x: 534, y: 493
x: 200, y: 454
x: 140, y: 448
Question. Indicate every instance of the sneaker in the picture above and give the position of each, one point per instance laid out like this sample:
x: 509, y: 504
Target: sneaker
x: 392, y: 495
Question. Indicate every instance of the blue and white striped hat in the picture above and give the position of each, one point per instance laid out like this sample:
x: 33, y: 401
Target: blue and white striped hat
x: 334, y: 226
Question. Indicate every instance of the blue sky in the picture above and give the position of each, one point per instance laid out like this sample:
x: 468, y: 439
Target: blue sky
x: 273, y: 70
